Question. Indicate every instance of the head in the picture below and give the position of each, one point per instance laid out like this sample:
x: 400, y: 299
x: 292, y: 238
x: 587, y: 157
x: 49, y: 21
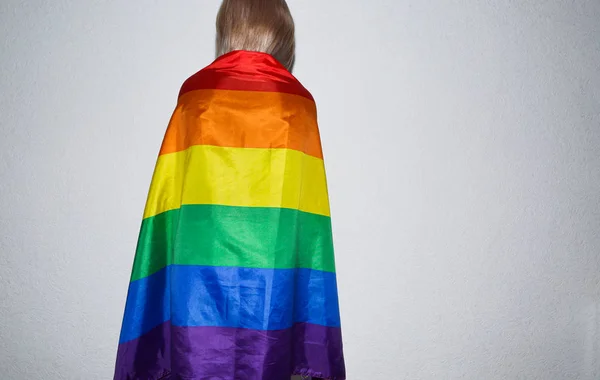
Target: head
x: 257, y: 25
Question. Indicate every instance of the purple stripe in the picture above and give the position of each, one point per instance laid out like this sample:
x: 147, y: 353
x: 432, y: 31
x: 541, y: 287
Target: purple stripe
x: 232, y: 354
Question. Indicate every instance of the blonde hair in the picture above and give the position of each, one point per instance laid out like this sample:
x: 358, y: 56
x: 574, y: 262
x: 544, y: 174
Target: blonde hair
x: 264, y: 26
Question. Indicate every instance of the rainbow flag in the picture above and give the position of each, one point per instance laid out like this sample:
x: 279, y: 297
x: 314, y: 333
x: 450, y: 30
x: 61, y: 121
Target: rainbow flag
x: 234, y: 275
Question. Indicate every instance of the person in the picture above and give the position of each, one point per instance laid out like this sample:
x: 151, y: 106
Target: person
x: 234, y: 275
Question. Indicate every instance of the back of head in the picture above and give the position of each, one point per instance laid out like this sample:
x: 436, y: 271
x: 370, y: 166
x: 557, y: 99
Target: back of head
x: 257, y: 25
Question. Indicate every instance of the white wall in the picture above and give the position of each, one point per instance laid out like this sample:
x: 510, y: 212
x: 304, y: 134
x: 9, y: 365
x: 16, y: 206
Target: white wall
x: 462, y: 143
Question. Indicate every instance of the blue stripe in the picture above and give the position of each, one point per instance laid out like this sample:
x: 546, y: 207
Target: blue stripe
x: 251, y: 298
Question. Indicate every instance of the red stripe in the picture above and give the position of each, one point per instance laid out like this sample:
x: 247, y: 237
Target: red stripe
x: 245, y: 71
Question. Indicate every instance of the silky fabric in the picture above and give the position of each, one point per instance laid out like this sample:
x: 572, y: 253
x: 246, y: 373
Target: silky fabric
x: 234, y: 273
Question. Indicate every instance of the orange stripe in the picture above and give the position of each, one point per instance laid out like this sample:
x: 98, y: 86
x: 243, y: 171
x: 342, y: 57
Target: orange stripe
x: 243, y: 119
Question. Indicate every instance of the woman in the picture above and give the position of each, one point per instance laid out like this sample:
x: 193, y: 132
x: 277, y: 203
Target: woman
x: 234, y: 273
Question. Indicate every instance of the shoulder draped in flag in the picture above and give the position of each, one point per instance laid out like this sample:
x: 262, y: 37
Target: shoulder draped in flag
x: 234, y: 275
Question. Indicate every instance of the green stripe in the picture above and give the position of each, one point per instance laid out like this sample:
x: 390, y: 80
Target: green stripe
x: 252, y: 237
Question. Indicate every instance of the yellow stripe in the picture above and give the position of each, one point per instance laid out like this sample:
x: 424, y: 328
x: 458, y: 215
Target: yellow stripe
x: 238, y: 177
